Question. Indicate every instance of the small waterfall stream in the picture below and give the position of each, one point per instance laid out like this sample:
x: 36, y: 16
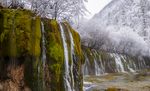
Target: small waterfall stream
x: 128, y: 66
x: 43, y: 58
x: 98, y: 69
x: 43, y: 45
x: 85, y: 66
x: 67, y: 78
x: 72, y: 53
x: 119, y: 63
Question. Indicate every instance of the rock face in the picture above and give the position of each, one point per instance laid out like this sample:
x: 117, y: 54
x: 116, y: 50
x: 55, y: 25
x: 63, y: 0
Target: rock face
x: 32, y: 53
x: 98, y: 63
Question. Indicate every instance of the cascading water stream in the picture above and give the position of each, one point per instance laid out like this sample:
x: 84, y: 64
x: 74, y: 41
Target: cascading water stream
x: 43, y: 45
x: 128, y: 65
x: 100, y: 64
x: 67, y: 78
x: 119, y: 63
x: 43, y: 58
x: 98, y: 70
x: 72, y: 53
x: 85, y: 66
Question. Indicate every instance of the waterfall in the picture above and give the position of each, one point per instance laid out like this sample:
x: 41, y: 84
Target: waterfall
x: 127, y: 64
x: 102, y: 63
x: 67, y: 78
x: 98, y: 69
x: 85, y: 66
x: 43, y: 58
x: 119, y: 63
x: 72, y: 53
x: 43, y: 45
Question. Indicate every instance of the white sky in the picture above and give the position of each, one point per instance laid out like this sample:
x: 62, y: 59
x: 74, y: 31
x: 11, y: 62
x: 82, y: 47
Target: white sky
x: 94, y: 6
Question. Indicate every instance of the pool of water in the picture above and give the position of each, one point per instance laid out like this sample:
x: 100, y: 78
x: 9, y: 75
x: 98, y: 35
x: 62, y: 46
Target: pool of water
x: 118, y: 82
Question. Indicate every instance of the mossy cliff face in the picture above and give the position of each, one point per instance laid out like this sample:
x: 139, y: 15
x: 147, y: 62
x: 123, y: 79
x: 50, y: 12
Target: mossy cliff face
x: 54, y: 54
x: 20, y: 37
x: 16, y: 29
x: 21, y: 61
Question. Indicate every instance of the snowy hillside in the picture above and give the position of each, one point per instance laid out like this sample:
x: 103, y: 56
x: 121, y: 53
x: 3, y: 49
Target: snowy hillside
x: 134, y: 14
x: 123, y: 26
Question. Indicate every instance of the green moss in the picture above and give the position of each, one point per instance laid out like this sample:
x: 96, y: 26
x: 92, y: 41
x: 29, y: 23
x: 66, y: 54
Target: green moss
x: 55, y: 54
x: 78, y: 54
x: 1, y: 30
x: 53, y: 41
x: 56, y: 68
x: 17, y: 30
x: 34, y: 73
x: 77, y: 42
x: 20, y: 38
x: 12, y: 46
x: 36, y: 37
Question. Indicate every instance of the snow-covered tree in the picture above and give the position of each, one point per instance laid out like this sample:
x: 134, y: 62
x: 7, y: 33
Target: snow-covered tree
x: 121, y: 40
x: 55, y: 9
x: 12, y: 3
x: 128, y: 25
x: 58, y: 9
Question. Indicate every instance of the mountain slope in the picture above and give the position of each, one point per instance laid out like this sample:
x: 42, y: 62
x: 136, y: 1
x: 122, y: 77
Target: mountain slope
x: 134, y: 14
x: 123, y: 26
